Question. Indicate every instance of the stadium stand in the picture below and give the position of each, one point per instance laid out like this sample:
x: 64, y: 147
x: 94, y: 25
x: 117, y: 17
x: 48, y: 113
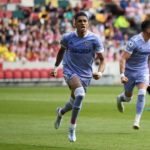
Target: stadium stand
x: 4, y: 2
x: 15, y: 1
x: 31, y: 31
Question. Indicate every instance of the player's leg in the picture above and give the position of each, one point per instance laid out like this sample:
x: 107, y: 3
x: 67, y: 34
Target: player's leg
x: 140, y: 104
x: 79, y: 93
x: 61, y: 111
x: 126, y: 96
x: 148, y: 90
x: 123, y: 97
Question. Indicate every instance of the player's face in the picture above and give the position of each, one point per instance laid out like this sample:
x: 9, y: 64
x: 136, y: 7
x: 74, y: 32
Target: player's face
x: 81, y: 24
x: 148, y: 32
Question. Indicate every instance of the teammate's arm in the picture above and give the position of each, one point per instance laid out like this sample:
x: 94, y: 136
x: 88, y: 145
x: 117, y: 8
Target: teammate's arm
x: 125, y: 55
x: 102, y: 64
x: 58, y: 60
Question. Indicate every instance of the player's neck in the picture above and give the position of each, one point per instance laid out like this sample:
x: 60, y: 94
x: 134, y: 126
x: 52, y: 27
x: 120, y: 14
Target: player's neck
x: 145, y: 37
x: 82, y: 34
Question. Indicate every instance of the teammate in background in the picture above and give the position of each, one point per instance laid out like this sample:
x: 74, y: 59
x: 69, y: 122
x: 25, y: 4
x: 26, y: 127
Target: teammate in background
x: 78, y: 49
x: 148, y: 88
x: 134, y: 71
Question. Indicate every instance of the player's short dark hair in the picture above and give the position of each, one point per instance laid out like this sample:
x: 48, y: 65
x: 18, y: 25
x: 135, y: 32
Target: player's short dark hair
x: 81, y: 13
x: 145, y: 24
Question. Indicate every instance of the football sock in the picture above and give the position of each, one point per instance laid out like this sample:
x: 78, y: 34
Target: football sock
x: 76, y: 110
x: 124, y: 98
x: 140, y: 104
x: 72, y: 126
x: 67, y: 107
x: 79, y: 96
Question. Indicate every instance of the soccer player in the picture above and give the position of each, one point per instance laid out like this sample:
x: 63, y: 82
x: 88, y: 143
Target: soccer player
x: 78, y: 50
x: 134, y: 71
x: 148, y: 88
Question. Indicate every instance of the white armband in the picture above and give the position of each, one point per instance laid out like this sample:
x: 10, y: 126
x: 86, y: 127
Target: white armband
x: 122, y: 75
x: 100, y: 74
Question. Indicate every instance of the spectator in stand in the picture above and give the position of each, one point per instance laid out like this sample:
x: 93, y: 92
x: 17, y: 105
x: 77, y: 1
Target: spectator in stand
x: 3, y: 48
x: 47, y: 22
x: 9, y: 55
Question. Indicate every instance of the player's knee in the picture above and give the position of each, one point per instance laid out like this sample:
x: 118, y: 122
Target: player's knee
x: 80, y: 92
x: 141, y: 95
x: 79, y: 96
x: 142, y: 92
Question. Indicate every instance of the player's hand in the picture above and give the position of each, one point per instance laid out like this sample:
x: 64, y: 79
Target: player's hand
x: 97, y: 75
x: 124, y: 79
x: 53, y: 73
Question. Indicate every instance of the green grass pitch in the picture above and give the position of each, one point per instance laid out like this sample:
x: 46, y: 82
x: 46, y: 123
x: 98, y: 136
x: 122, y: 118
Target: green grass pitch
x: 27, y: 117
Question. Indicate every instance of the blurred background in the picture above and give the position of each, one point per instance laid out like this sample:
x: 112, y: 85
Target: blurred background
x: 30, y: 31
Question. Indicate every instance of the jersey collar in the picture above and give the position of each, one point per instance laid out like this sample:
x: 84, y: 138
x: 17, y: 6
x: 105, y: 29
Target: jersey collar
x: 84, y: 35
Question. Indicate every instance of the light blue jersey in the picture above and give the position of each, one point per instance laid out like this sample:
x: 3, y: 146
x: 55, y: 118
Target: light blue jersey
x: 136, y: 68
x: 80, y: 53
x: 139, y: 50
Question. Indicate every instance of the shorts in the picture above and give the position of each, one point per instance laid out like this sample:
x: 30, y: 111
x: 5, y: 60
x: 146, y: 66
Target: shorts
x: 84, y: 81
x: 134, y: 79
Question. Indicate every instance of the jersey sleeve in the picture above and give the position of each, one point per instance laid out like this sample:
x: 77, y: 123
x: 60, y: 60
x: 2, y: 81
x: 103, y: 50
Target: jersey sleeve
x: 130, y: 46
x: 98, y: 45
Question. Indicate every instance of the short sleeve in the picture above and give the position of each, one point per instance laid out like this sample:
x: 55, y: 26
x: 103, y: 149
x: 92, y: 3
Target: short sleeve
x: 98, y: 45
x: 130, y: 46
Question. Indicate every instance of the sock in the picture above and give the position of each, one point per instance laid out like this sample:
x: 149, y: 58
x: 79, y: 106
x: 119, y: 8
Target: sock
x: 72, y: 126
x: 76, y: 110
x: 121, y: 96
x: 140, y: 104
x: 137, y: 118
x: 67, y: 107
x: 124, y: 98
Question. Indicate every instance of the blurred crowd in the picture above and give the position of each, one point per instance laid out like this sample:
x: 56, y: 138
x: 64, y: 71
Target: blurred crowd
x: 36, y: 36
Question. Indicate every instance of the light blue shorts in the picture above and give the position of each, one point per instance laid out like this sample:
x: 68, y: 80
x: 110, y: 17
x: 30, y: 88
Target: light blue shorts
x: 68, y: 75
x: 135, y: 78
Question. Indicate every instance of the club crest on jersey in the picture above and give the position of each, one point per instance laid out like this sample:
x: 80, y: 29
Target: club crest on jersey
x: 130, y: 44
x: 86, y: 43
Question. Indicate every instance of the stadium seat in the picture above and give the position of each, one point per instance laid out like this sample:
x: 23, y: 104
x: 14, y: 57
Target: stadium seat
x: 44, y: 73
x: 8, y: 74
x: 1, y: 66
x: 35, y: 73
x: 17, y: 74
x: 15, y: 1
x: 87, y: 3
x: 8, y: 14
x: 26, y: 74
x: 60, y: 73
x: 3, y: 2
x: 1, y: 14
x: 1, y: 75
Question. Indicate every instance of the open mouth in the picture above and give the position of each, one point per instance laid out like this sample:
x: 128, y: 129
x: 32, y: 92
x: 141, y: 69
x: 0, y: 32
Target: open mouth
x: 83, y: 27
